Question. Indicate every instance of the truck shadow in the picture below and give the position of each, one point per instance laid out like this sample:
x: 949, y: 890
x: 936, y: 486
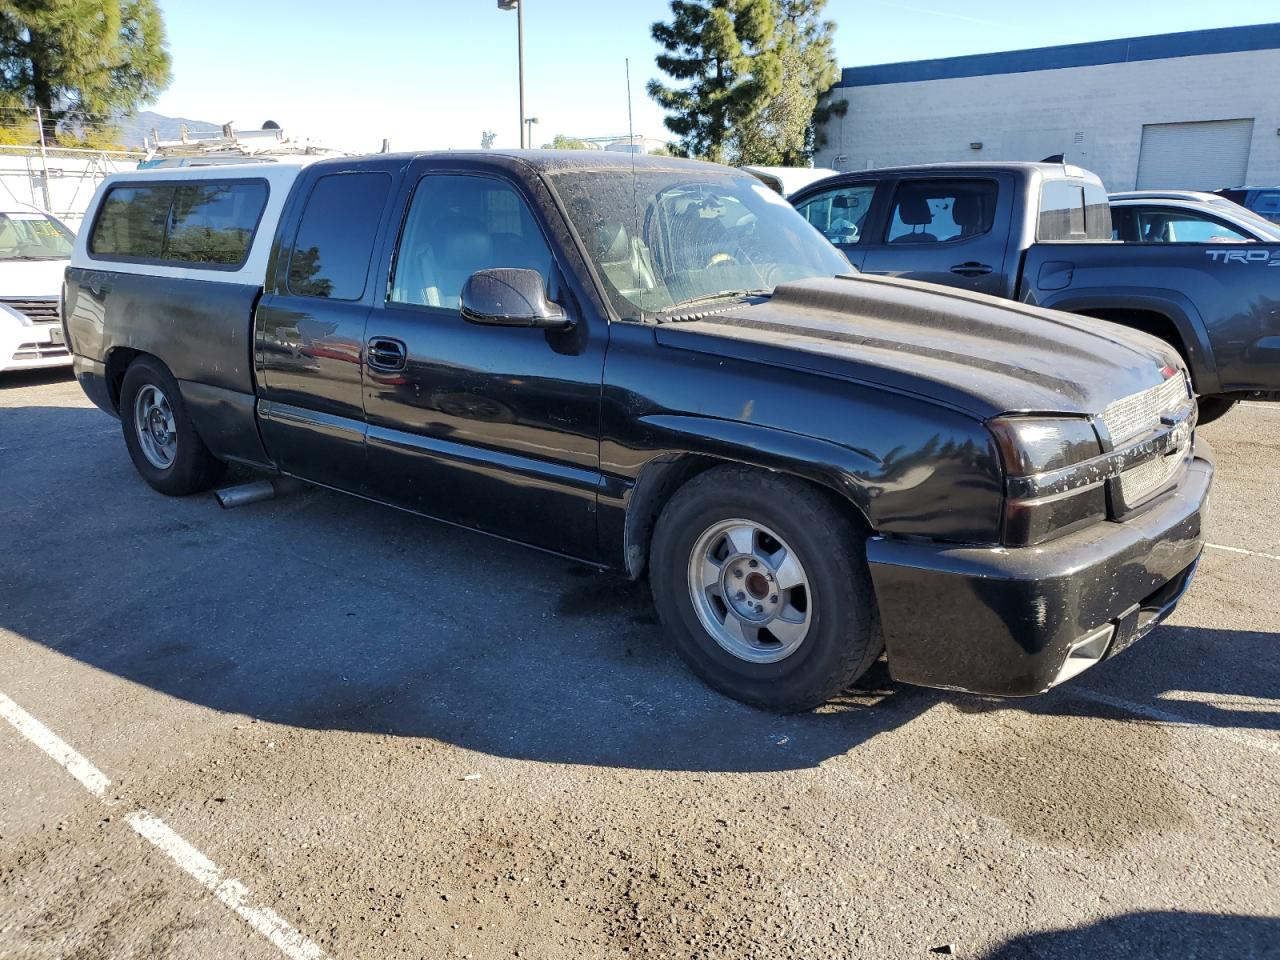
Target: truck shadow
x: 1153, y: 935
x: 327, y: 612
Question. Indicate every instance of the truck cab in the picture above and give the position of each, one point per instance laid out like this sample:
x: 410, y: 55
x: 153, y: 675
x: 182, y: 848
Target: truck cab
x: 962, y: 225
x: 1042, y: 233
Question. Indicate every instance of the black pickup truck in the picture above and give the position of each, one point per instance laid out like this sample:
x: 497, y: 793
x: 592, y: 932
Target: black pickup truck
x: 1041, y: 233
x: 657, y: 366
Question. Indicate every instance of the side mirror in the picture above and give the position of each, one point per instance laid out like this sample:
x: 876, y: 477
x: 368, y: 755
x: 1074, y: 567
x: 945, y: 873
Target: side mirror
x: 507, y: 297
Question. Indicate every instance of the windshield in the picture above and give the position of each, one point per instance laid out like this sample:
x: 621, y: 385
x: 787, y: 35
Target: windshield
x: 33, y: 236
x: 670, y: 238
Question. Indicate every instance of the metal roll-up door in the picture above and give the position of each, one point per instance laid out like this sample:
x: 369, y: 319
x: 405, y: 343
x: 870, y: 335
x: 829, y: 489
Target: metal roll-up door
x: 1202, y: 155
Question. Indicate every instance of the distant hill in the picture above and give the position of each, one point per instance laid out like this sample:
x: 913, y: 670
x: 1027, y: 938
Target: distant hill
x: 134, y: 129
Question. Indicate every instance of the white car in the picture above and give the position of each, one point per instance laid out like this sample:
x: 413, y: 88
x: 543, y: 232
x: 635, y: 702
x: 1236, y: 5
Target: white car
x: 1186, y: 216
x: 34, y: 251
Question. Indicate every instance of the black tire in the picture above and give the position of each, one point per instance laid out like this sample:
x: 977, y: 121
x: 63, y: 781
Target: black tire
x: 1211, y: 408
x: 193, y: 468
x: 843, y: 638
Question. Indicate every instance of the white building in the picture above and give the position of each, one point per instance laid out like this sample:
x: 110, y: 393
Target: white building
x: 1195, y: 110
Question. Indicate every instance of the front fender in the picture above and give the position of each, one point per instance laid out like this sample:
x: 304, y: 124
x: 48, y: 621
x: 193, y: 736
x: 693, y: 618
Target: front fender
x: 1175, y: 306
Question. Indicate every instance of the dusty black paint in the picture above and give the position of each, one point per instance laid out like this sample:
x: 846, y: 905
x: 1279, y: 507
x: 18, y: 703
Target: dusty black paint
x: 571, y: 440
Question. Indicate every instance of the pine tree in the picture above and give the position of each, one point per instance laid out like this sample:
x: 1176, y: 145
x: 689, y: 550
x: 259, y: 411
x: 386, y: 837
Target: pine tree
x: 786, y: 131
x: 83, y: 61
x: 723, y: 54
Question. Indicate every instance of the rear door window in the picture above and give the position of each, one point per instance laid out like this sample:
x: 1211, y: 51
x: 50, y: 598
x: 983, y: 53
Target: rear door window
x: 210, y: 224
x: 941, y: 211
x: 331, y: 253
x: 840, y: 214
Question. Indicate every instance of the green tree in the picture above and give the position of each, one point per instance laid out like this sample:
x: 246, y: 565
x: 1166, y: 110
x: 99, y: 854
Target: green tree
x: 787, y: 130
x: 82, y: 59
x: 561, y: 142
x: 723, y: 53
x: 486, y: 140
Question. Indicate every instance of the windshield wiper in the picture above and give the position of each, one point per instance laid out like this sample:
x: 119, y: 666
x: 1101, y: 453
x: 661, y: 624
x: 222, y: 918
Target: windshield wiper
x: 710, y: 297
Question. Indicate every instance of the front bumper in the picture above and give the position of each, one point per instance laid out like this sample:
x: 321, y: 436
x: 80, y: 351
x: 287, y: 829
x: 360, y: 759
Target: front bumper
x: 1016, y: 621
x: 33, y: 347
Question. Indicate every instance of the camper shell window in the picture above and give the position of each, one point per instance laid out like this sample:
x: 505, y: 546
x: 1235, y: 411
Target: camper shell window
x: 204, y: 224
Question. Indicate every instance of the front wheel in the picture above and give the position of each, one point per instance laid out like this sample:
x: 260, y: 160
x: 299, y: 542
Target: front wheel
x: 163, y: 443
x: 763, y: 583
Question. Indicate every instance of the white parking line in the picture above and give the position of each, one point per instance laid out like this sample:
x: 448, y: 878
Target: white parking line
x: 1247, y: 553
x: 1167, y: 716
x: 230, y: 892
x: 90, y: 777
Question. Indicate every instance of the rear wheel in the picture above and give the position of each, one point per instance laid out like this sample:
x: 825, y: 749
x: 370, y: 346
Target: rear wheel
x: 762, y: 581
x: 162, y: 440
x: 1211, y: 408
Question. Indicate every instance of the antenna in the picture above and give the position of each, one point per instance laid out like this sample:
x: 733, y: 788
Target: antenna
x: 631, y: 130
x: 635, y: 200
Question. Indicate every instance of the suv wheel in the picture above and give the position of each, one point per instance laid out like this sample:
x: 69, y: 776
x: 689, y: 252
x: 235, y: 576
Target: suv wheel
x: 762, y: 581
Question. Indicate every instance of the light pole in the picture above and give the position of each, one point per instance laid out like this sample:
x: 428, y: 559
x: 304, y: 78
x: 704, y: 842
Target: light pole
x: 518, y: 7
x: 529, y: 124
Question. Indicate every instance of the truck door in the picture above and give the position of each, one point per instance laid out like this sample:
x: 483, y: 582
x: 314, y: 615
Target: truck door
x: 495, y: 428
x: 841, y: 214
x: 309, y: 329
x: 951, y: 230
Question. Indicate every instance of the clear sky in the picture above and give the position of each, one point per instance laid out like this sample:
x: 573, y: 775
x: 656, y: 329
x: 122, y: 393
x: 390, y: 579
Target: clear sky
x: 437, y: 73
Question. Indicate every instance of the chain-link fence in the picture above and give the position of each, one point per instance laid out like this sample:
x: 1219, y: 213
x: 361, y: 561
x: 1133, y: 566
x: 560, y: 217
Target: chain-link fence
x: 58, y: 175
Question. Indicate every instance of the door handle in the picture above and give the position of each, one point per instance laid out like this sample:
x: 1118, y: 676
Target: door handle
x: 385, y: 353
x: 971, y: 269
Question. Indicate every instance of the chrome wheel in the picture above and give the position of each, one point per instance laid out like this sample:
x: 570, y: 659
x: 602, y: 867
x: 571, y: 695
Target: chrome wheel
x: 750, y: 591
x: 157, y: 431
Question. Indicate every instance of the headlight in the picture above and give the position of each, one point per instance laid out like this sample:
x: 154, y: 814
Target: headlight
x: 1049, y: 489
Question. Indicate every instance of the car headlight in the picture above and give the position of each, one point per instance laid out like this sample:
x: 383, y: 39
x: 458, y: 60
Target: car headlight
x: 1049, y: 488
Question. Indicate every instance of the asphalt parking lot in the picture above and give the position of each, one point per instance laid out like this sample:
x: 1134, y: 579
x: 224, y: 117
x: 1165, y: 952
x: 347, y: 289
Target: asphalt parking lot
x: 316, y: 728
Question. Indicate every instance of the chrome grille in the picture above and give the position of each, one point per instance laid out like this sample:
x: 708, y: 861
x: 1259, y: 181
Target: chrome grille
x: 1149, y: 477
x: 39, y: 311
x: 1140, y: 413
x: 1143, y: 414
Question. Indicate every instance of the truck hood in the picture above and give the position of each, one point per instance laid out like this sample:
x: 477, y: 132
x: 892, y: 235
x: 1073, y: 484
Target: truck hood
x: 970, y: 351
x: 32, y: 279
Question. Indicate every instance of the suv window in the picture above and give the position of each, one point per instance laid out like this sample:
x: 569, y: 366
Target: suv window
x: 938, y: 211
x: 1153, y: 225
x: 839, y: 214
x: 457, y: 225
x: 209, y: 224
x: 1267, y: 202
x: 330, y: 256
